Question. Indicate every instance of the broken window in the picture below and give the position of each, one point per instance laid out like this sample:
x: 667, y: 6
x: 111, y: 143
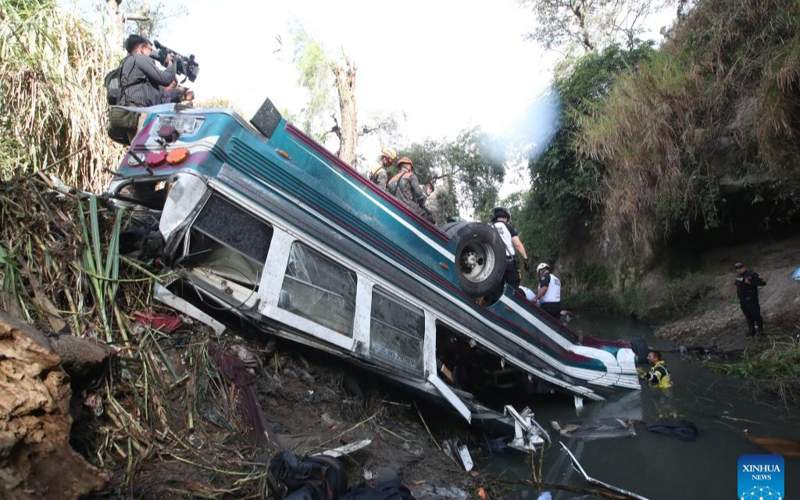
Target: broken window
x: 397, y: 331
x: 317, y: 288
x: 230, y: 242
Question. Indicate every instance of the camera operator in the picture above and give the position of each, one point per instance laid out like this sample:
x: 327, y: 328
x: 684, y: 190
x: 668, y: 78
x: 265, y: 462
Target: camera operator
x: 141, y: 82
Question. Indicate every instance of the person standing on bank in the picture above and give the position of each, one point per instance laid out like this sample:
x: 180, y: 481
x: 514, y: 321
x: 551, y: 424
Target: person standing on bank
x: 747, y: 283
x: 549, y: 292
x: 501, y: 220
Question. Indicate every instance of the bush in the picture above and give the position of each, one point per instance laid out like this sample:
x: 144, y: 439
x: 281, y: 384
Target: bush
x: 52, y: 99
x: 719, y: 100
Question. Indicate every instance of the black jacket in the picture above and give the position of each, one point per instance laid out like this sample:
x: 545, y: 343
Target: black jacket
x: 141, y: 81
x: 747, y: 286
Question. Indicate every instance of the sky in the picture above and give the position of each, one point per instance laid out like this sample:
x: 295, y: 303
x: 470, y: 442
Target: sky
x: 447, y: 65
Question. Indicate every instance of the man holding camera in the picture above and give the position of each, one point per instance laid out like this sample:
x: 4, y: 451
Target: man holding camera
x: 142, y: 83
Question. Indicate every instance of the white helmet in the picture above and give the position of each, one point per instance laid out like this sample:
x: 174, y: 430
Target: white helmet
x: 541, y: 266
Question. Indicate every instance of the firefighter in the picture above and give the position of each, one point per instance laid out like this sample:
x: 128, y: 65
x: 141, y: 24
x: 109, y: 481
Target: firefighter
x: 380, y: 172
x: 658, y: 376
x: 405, y: 186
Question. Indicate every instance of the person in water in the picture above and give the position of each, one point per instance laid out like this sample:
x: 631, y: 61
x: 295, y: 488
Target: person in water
x: 658, y: 376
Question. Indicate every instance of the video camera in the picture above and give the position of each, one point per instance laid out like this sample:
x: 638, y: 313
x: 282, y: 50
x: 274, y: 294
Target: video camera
x: 186, y: 66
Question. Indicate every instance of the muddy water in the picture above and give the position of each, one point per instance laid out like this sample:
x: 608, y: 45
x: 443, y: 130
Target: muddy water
x: 656, y: 466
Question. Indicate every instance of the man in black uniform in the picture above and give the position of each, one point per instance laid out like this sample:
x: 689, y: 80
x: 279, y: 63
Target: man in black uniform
x: 501, y: 221
x: 747, y: 283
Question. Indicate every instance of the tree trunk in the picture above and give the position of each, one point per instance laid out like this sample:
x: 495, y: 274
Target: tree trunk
x: 345, y: 74
x: 36, y: 459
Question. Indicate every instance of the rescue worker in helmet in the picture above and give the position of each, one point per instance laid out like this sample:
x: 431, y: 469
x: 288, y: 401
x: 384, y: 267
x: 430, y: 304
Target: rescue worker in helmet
x: 548, y: 294
x: 501, y: 220
x: 405, y: 187
x: 658, y: 376
x: 379, y: 174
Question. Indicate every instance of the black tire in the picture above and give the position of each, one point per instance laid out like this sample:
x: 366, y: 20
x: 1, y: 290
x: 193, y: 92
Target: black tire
x: 480, y: 258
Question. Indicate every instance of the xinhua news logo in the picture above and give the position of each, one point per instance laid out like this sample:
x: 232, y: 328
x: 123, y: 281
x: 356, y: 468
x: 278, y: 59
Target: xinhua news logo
x: 761, y: 477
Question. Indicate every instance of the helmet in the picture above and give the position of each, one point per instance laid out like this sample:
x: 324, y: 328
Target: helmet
x: 498, y: 212
x: 389, y: 153
x: 543, y: 265
x: 405, y: 160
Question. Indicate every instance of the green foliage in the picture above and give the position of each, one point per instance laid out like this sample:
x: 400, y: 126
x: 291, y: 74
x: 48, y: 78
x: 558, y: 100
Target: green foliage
x: 718, y: 101
x: 52, y: 99
x: 773, y: 367
x: 565, y: 183
x: 314, y: 75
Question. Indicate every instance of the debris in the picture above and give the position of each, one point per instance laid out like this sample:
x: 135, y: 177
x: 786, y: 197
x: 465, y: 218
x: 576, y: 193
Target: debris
x: 796, y: 274
x: 311, y: 477
x: 161, y: 294
x: 459, y: 453
x: 390, y: 489
x: 466, y: 458
x: 545, y: 495
x: 577, y: 466
x: 681, y: 429
x: 434, y: 492
x: 527, y: 432
x: 607, y: 428
x: 347, y: 449
x: 778, y: 446
x: 36, y: 460
x: 166, y: 323
x: 236, y: 371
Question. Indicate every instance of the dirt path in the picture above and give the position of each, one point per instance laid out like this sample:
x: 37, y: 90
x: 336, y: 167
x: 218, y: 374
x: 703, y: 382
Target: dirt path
x: 717, y: 320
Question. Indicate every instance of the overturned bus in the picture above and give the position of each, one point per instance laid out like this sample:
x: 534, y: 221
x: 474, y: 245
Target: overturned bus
x: 264, y: 221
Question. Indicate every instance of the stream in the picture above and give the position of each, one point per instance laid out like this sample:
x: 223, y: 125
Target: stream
x: 655, y: 466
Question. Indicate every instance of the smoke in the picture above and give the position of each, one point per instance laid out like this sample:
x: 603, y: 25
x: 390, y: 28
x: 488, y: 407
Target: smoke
x: 535, y: 127
x: 526, y: 139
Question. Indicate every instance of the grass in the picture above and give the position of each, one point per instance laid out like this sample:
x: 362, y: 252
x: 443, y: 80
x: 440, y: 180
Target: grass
x: 772, y: 367
x: 52, y: 99
x: 719, y: 99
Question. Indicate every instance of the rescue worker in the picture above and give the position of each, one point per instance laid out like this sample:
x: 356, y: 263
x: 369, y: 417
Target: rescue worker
x: 747, y: 283
x: 658, y: 376
x: 501, y: 220
x: 434, y: 203
x: 549, y: 292
x: 405, y: 186
x: 379, y: 174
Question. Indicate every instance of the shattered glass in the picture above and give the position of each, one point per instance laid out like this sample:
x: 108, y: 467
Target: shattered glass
x: 317, y: 288
x: 397, y: 331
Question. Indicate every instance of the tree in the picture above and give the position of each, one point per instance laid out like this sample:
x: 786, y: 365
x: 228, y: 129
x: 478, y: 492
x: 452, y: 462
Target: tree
x: 325, y: 114
x: 565, y: 183
x: 471, y: 166
x: 590, y: 24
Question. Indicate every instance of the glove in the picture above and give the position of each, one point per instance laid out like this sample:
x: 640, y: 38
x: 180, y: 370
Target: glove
x: 525, y: 265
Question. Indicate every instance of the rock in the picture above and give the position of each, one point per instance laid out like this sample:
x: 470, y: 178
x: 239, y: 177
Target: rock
x: 36, y: 460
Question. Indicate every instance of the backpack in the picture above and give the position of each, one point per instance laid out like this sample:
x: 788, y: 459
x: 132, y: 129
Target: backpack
x: 113, y: 84
x: 121, y: 123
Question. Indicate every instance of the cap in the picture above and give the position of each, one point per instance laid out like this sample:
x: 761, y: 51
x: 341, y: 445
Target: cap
x: 738, y: 265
